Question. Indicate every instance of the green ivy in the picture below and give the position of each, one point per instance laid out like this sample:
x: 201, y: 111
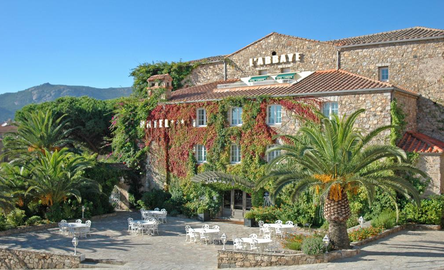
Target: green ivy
x: 398, y: 122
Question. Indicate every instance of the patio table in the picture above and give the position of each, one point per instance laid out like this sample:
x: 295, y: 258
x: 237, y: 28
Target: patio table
x: 145, y: 224
x: 260, y: 241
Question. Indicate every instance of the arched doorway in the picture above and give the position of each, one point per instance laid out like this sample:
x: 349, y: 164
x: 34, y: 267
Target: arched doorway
x: 237, y: 200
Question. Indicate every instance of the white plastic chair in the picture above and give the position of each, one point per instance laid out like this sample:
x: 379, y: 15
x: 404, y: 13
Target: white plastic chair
x: 261, y: 226
x: 63, y: 226
x: 216, y: 227
x: 289, y: 222
x: 193, y: 235
x: 238, y: 244
x: 253, y: 236
x: 187, y: 233
x: 254, y: 245
x: 78, y: 221
x: 154, y: 228
x: 163, y: 217
x: 130, y: 223
x: 278, y: 221
x: 206, y: 226
x: 156, y: 209
x: 88, y: 229
x: 279, y: 232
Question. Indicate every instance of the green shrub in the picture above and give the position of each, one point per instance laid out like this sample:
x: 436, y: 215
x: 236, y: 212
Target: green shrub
x: 3, y: 223
x: 33, y: 220
x: 312, y: 246
x: 364, y: 233
x: 16, y: 217
x: 431, y: 211
x: 249, y: 215
x: 154, y: 199
x: 387, y: 220
x: 352, y: 221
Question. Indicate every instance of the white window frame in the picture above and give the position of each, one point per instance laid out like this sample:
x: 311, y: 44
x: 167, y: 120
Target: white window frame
x: 330, y: 108
x: 273, y: 154
x: 201, y: 154
x: 381, y: 74
x: 235, y: 154
x: 237, y: 115
x: 203, y: 112
x: 273, y: 118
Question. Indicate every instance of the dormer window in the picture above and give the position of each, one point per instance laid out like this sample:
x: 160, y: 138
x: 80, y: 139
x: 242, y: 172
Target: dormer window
x: 201, y: 117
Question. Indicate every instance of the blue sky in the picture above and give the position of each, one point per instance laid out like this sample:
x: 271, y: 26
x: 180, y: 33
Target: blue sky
x: 97, y: 42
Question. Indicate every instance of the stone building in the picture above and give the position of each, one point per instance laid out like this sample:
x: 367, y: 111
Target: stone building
x: 340, y: 76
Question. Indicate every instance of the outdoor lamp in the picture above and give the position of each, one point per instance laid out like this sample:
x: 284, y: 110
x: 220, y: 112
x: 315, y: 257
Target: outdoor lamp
x: 326, y: 241
x: 361, y: 221
x: 83, y: 212
x: 75, y: 242
x: 223, y: 238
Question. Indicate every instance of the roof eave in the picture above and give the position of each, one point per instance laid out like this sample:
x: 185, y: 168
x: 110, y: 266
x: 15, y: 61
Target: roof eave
x: 315, y: 94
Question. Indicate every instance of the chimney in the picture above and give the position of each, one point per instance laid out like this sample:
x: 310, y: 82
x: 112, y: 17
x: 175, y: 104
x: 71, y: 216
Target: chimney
x: 160, y: 81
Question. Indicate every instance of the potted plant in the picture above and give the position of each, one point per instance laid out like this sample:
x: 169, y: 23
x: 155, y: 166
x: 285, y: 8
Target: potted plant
x: 249, y: 220
x: 203, y: 214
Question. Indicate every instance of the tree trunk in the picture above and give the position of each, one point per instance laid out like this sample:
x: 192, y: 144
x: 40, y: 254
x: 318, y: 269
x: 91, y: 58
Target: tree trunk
x: 337, y: 213
x: 337, y: 232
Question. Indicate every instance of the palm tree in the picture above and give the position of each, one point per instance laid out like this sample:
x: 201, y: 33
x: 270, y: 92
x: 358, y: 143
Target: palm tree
x: 57, y: 175
x: 334, y: 157
x: 37, y: 132
x: 13, y: 183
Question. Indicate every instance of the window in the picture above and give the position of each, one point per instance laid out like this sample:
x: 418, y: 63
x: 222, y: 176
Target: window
x: 384, y: 74
x: 236, y: 116
x: 285, y: 70
x: 263, y: 72
x: 201, y: 118
x: 330, y: 108
x: 274, y: 114
x: 201, y: 154
x: 273, y: 154
x: 235, y: 154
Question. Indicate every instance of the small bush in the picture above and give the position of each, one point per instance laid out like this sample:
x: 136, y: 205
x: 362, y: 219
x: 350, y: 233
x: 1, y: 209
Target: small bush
x: 312, y: 246
x: 33, y: 220
x: 386, y: 219
x: 294, y: 241
x: 15, y: 217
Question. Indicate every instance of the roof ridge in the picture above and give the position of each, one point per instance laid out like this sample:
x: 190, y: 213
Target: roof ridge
x: 389, y: 32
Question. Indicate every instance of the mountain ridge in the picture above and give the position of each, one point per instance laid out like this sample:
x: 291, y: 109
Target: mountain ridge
x: 11, y: 102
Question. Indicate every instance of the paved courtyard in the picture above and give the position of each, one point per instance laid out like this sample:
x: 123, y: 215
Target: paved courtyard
x: 110, y: 240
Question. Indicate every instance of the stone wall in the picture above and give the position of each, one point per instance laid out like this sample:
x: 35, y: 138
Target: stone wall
x: 377, y: 111
x: 408, y: 104
x: 29, y: 259
x: 206, y: 73
x: 234, y: 259
x: 417, y: 66
x: 433, y: 165
x: 314, y: 55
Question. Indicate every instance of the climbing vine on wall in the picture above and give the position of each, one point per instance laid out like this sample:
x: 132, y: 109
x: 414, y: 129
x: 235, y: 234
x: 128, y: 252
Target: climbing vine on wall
x: 398, y: 122
x: 179, y: 139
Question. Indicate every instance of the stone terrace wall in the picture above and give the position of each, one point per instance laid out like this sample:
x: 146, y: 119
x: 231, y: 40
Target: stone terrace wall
x: 28, y: 259
x: 417, y: 66
x: 234, y: 259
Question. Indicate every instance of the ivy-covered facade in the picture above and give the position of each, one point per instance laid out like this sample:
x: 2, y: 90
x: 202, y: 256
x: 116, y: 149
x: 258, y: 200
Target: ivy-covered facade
x: 240, y: 102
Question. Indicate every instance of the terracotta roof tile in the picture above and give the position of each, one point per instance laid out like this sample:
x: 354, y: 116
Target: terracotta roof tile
x: 320, y: 82
x: 397, y: 35
x: 211, y: 59
x: 420, y: 143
